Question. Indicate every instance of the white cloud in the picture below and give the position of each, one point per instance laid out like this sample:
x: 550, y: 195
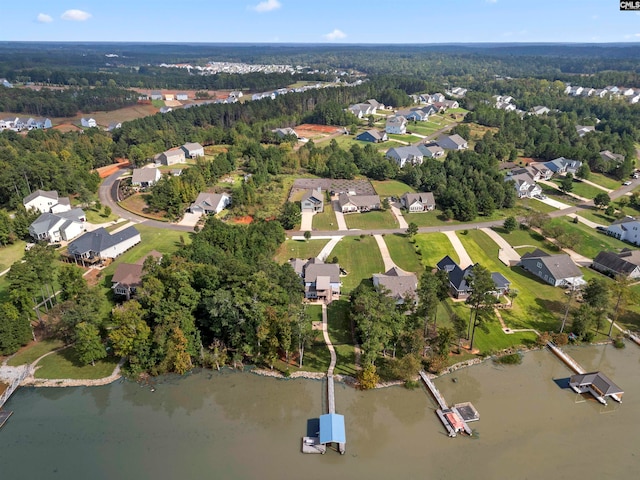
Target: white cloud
x: 635, y: 35
x: 75, y: 15
x: 44, y: 18
x: 491, y: 1
x: 335, y: 35
x: 267, y: 6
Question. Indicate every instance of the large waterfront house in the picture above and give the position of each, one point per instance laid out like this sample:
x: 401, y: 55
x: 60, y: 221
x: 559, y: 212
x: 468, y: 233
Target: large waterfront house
x: 321, y: 280
x: 398, y: 284
x: 557, y: 270
x: 459, y: 279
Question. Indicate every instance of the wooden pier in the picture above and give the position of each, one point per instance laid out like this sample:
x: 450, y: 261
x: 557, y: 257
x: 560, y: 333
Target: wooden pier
x: 455, y: 418
x: 4, y: 416
x: 331, y: 395
x: 634, y: 338
x: 14, y: 386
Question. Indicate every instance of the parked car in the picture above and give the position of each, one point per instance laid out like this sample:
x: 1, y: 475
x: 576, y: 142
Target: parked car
x: 627, y: 183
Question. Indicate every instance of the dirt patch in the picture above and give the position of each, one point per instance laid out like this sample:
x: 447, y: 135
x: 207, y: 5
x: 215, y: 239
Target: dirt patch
x: 528, y: 160
x: 361, y: 187
x: 138, y: 205
x: 3, y: 387
x: 92, y: 277
x: 242, y: 220
x: 107, y: 170
x: 67, y: 127
x: 328, y: 129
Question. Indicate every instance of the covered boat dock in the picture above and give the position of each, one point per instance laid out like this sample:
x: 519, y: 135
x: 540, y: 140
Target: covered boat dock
x: 597, y: 384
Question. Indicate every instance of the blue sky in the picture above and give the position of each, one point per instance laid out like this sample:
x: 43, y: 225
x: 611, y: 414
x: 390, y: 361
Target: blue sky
x: 314, y: 21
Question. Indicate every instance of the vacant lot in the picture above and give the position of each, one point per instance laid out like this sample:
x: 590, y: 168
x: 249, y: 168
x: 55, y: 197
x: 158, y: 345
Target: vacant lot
x: 403, y: 253
x: 299, y: 249
x: 582, y: 189
x: 137, y: 204
x: 590, y: 242
x: 65, y: 364
x: 378, y: 219
x: 604, y: 180
x: 520, y: 238
x: 360, y: 257
x: 432, y: 247
x: 391, y: 188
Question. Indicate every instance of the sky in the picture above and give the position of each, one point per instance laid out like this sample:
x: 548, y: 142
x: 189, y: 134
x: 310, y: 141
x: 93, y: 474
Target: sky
x: 318, y: 21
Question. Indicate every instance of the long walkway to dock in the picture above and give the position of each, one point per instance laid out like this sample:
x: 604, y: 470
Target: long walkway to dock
x: 331, y: 398
x: 434, y: 391
x: 570, y: 362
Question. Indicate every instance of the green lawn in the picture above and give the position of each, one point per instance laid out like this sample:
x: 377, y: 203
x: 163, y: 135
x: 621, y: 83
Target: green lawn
x: 65, y: 364
x: 299, y: 249
x: 591, y: 241
x: 538, y: 305
x: 424, y: 128
x: 582, y: 189
x: 94, y: 216
x: 157, y: 103
x: 391, y: 188
x: 11, y: 254
x: 325, y: 220
x: 558, y: 195
x: 339, y: 327
x: 533, y: 204
x: 604, y: 180
x: 360, y: 257
x: 432, y: 247
x: 403, y: 253
x: 520, y: 237
x: 495, y: 339
x: 34, y: 351
x: 377, y: 219
x: 404, y: 138
x: 595, y: 215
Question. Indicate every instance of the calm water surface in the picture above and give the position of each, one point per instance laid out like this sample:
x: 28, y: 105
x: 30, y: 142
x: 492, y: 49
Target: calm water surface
x: 239, y: 425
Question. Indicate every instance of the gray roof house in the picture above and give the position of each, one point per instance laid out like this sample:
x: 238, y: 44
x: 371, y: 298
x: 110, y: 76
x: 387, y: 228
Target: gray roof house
x: 525, y: 185
x: 608, y: 156
x: 283, y: 132
x: 172, y: 156
x: 145, y: 177
x: 193, y: 150
x: 100, y: 244
x: 207, y: 203
x: 55, y: 227
x: 404, y: 155
x: 452, y: 142
x: 557, y: 270
x: 88, y: 122
x: 396, y: 124
x: 321, y: 280
x: 358, y: 203
x: 373, y: 136
x: 563, y: 165
x: 597, y: 384
x: 539, y: 110
x: 626, y: 263
x: 418, y: 202
x: 156, y: 95
x: 583, y: 130
x: 431, y: 150
x: 626, y: 229
x: 46, y: 201
x: 312, y: 201
x: 399, y: 285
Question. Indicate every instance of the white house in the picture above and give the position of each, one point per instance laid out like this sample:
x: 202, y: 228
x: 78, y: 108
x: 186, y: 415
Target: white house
x: 418, y: 202
x: 156, y: 95
x: 193, y: 150
x: 6, y: 83
x: 55, y: 227
x: 182, y: 96
x: 358, y: 203
x: 626, y: 229
x: 525, y: 185
x: 210, y: 203
x: 397, y: 125
x: 46, y: 202
x: 145, y: 177
x: 88, y: 122
x: 402, y: 155
x: 100, y: 244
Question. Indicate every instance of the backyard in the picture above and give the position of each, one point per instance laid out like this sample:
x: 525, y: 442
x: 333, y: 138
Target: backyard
x: 65, y: 364
x: 360, y: 257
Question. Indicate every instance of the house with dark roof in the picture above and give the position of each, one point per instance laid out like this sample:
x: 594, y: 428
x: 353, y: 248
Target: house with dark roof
x: 172, y: 156
x: 56, y: 227
x: 373, y: 136
x: 597, y: 384
x: 626, y: 263
x: 193, y: 150
x: 452, y: 142
x: 100, y: 244
x: 563, y: 165
x: 418, y: 202
x: 283, y: 132
x: 626, y: 229
x: 557, y: 270
x: 525, y: 185
x: 459, y: 285
x: 321, y: 280
x: 608, y: 157
x: 207, y: 203
x: 145, y: 177
x: 128, y: 276
x: 358, y: 203
x: 398, y: 284
x: 312, y: 201
x: 403, y: 155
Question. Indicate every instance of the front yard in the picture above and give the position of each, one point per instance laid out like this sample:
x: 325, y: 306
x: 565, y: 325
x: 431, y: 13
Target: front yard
x: 374, y: 220
x: 360, y: 257
x: 299, y: 249
x: 325, y: 220
x: 403, y: 253
x: 432, y: 247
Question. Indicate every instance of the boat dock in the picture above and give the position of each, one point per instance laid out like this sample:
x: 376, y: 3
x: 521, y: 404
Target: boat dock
x: 569, y: 362
x: 455, y: 419
x: 13, y: 386
x: 4, y: 416
x: 634, y: 338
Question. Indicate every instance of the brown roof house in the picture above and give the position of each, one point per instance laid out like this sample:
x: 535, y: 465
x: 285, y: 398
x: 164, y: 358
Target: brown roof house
x: 128, y: 276
x: 399, y: 285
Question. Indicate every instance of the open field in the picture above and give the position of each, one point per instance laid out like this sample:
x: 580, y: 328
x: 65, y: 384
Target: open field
x: 33, y: 351
x: 391, y: 188
x: 137, y: 204
x: 325, y: 220
x: 432, y: 247
x: 403, y: 253
x: 360, y: 257
x: 371, y: 220
x: 299, y: 249
x: 591, y: 241
x: 604, y: 180
x: 583, y: 189
x: 65, y: 364
x: 126, y: 114
x: 10, y: 254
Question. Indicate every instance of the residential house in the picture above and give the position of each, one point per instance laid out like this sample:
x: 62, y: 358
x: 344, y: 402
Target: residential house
x: 88, y: 122
x: 431, y: 150
x: 6, y: 83
x: 539, y: 171
x: 626, y: 263
x: 587, y: 92
x: 321, y: 280
x: 608, y: 156
x: 627, y: 92
x: 45, y: 201
x: 418, y: 202
x: 563, y: 165
x: 539, y: 110
x: 575, y: 91
x: 452, y: 142
x: 100, y: 244
x: 182, y: 96
x: 457, y: 92
x: 145, y: 177
x: 600, y: 92
x: 128, y: 276
x: 362, y: 110
x: 56, y: 227
x: 415, y: 115
x: 375, y: 104
x: 193, y: 150
x: 283, y: 132
x: 397, y: 284
x: 459, y: 285
x: 429, y: 109
x: 447, y: 104
x: 525, y: 182
x: 172, y: 156
x: 156, y: 95
x: 207, y: 203
x: 396, y: 124
x: 403, y: 155
x: 374, y: 136
x: 557, y: 270
x: 583, y: 130
x: 436, y: 97
x: 170, y: 97
x: 312, y: 201
x: 114, y: 126
x: 626, y: 229
x: 165, y: 109
x: 351, y: 203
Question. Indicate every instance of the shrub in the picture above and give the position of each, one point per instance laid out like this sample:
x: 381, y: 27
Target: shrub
x: 560, y: 339
x: 510, y: 359
x: 411, y: 384
x: 368, y: 377
x: 618, y: 342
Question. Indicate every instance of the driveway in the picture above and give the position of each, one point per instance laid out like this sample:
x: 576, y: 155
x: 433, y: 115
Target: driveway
x: 306, y: 225
x: 506, y: 254
x: 402, y: 223
x: 328, y: 248
x: 553, y: 203
x: 465, y: 259
x: 384, y: 251
x: 190, y: 219
x: 342, y: 225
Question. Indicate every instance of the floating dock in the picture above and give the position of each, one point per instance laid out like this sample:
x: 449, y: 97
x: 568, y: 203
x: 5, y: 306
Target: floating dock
x: 456, y: 418
x: 313, y: 445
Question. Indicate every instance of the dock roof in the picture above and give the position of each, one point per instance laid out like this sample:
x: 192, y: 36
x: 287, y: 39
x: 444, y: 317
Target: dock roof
x: 332, y: 428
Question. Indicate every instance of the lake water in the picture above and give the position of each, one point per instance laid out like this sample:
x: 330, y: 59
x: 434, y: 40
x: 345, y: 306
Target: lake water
x: 239, y: 425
